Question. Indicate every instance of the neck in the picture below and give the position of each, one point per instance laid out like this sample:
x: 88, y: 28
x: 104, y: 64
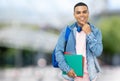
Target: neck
x: 79, y: 25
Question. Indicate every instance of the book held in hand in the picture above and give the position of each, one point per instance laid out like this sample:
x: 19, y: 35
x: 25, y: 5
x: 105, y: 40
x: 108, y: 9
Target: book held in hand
x: 75, y: 62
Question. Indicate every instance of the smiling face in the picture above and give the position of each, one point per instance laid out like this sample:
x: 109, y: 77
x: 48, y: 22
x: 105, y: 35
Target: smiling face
x: 81, y: 14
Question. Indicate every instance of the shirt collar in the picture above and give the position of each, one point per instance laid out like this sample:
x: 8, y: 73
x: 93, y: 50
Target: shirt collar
x: 79, y: 28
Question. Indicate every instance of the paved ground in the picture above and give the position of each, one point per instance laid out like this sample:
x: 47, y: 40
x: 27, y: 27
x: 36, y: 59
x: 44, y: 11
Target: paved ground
x: 110, y: 74
x: 51, y: 74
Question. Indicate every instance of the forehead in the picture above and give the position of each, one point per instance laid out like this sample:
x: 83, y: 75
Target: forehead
x: 81, y: 8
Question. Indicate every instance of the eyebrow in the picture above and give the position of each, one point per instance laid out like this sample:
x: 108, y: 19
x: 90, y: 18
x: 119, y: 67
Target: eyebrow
x: 82, y: 11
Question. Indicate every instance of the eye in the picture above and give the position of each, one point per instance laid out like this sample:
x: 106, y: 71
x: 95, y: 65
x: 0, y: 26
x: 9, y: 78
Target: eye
x: 78, y: 12
x: 85, y: 12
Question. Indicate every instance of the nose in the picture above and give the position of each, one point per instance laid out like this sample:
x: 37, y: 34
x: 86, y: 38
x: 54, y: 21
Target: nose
x: 81, y: 14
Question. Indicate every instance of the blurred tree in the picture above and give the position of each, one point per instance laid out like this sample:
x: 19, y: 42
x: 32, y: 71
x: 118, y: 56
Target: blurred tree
x: 110, y: 27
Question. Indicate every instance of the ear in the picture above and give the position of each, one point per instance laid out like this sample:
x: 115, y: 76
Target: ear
x: 74, y: 14
x: 88, y: 12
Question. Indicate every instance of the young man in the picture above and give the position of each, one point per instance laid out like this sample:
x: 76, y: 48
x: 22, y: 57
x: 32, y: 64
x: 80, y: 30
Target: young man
x: 84, y: 39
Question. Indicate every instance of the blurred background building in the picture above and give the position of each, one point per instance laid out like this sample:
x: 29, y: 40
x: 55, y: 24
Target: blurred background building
x: 29, y: 30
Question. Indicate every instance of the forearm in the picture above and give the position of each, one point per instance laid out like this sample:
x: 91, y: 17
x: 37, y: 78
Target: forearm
x: 95, y: 43
x: 62, y: 63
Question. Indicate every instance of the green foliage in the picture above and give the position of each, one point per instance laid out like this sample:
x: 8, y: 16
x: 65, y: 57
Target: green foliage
x: 3, y: 25
x: 110, y: 27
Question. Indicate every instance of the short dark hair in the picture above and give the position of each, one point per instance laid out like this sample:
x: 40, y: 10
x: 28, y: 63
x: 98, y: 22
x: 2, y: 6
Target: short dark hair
x: 80, y: 4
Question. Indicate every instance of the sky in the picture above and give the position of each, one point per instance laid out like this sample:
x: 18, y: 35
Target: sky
x: 114, y: 4
x: 51, y: 12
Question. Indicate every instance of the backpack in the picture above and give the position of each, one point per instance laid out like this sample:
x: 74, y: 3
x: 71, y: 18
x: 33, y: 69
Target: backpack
x: 54, y: 62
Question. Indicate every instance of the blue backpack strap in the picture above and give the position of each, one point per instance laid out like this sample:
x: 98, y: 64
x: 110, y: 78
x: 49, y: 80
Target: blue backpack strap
x: 67, y: 33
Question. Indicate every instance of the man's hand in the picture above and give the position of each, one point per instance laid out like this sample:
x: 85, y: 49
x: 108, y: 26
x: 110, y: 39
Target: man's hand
x: 71, y: 73
x: 86, y: 28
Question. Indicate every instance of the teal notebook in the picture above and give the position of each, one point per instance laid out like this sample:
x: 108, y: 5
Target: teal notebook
x: 76, y: 63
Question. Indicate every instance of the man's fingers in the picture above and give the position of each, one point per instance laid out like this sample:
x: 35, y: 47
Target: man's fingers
x: 71, y: 73
x: 86, y: 28
x: 74, y: 75
x: 83, y: 23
